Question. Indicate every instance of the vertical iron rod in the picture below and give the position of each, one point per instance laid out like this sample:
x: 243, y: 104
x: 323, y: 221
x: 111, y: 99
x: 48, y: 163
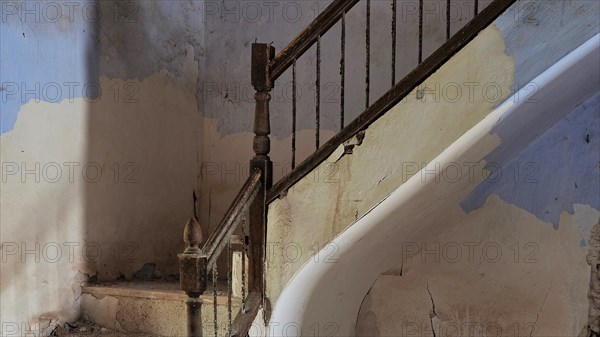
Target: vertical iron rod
x: 420, y: 31
x: 229, y: 285
x: 342, y: 69
x: 476, y: 7
x: 318, y: 93
x: 394, y: 5
x: 244, y: 251
x: 294, y: 114
x: 368, y: 52
x: 214, y: 281
x: 448, y: 18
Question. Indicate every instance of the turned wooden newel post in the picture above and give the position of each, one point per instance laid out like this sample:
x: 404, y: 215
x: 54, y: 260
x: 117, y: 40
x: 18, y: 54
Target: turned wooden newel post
x: 262, y: 54
x: 192, y: 275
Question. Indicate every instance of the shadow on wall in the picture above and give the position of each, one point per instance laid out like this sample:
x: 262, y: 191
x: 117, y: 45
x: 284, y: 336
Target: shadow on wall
x: 144, y: 133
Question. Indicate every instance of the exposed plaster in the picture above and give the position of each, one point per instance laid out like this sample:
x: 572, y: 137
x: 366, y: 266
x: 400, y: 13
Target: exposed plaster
x: 407, y: 216
x: 366, y: 322
x: 593, y: 259
x: 356, y: 140
x: 537, y: 315
x: 377, y: 167
x: 131, y: 222
x: 432, y: 313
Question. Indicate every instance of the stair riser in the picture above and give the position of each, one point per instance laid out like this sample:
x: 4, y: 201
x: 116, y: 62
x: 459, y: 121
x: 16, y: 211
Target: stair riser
x: 161, y: 317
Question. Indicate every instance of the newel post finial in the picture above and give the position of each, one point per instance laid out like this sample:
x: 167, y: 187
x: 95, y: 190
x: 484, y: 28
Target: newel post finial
x: 192, y: 236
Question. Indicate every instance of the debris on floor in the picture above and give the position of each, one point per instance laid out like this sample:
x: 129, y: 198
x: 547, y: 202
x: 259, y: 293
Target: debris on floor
x: 86, y: 328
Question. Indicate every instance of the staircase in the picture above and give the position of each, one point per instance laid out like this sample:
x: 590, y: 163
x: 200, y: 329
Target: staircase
x: 204, y: 303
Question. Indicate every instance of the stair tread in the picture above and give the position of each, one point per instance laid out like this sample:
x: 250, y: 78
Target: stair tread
x: 159, y: 289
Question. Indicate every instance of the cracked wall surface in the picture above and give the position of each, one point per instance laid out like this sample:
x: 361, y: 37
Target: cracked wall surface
x: 477, y: 289
x: 345, y: 187
x: 495, y: 267
x: 314, y: 211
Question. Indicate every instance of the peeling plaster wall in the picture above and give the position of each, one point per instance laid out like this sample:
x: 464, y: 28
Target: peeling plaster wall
x: 164, y: 125
x: 99, y: 106
x: 495, y: 269
x: 398, y: 145
x: 228, y: 98
x: 328, y: 291
x: 349, y: 193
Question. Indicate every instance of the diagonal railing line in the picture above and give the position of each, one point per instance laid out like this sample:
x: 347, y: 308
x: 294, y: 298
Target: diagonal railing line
x: 394, y: 95
x: 309, y: 36
x: 219, y: 238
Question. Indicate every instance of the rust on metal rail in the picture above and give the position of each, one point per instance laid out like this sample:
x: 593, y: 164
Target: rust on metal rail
x: 391, y: 98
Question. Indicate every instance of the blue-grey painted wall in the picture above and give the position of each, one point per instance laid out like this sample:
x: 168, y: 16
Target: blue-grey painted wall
x: 559, y: 169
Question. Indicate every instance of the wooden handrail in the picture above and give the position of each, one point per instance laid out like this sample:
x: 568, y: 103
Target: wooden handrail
x: 219, y: 238
x: 246, y: 315
x: 329, y: 17
x: 392, y: 97
x: 195, y: 263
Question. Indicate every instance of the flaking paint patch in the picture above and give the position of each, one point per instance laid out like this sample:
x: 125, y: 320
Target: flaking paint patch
x: 411, y: 133
x: 140, y: 219
x: 523, y: 179
x: 539, y: 33
x: 102, y: 311
x: 473, y: 291
x: 30, y: 213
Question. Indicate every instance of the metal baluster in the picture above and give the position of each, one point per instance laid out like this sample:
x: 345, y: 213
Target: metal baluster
x: 394, y: 18
x: 420, y: 31
x: 294, y: 114
x: 229, y: 285
x: 318, y: 92
x: 368, y: 47
x: 215, y: 275
x: 342, y: 69
x: 244, y: 252
x: 448, y: 19
x: 476, y: 7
